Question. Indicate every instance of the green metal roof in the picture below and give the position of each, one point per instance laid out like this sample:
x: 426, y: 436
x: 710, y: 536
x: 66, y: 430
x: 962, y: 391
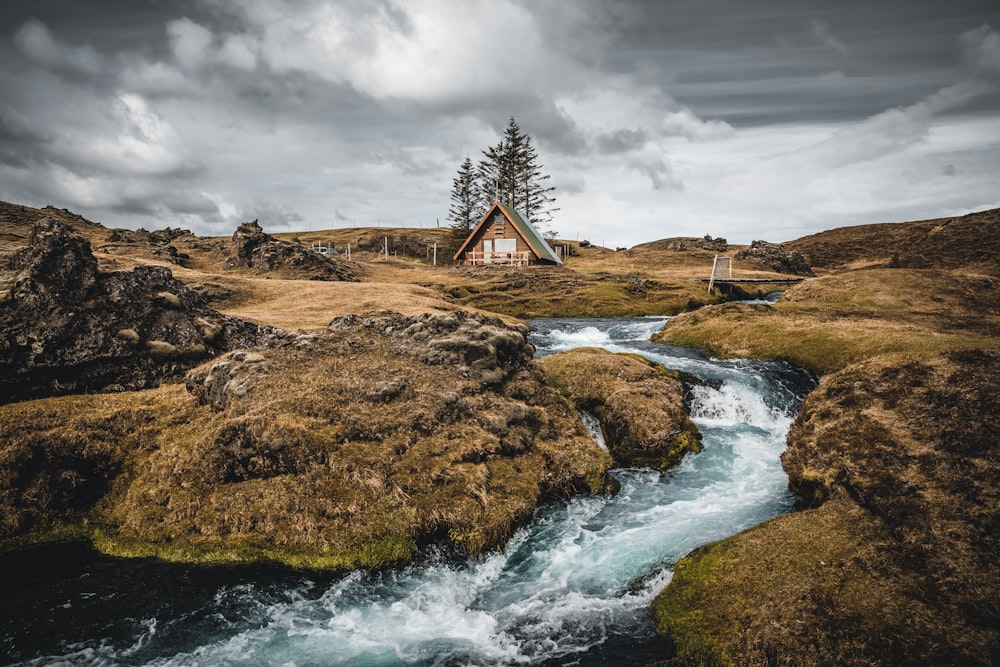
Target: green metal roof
x: 530, y: 234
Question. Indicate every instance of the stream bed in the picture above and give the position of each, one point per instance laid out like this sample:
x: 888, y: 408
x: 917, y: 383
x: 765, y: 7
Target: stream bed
x: 572, y: 588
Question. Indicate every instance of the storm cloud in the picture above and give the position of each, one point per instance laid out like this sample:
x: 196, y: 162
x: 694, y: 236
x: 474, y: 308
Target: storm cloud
x: 745, y: 120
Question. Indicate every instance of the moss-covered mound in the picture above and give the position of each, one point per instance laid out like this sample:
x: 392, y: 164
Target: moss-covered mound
x: 639, y: 404
x: 336, y: 451
x: 828, y: 323
x: 896, y: 564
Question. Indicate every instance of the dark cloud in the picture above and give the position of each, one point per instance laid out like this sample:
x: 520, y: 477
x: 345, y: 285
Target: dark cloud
x: 621, y: 141
x: 202, y: 112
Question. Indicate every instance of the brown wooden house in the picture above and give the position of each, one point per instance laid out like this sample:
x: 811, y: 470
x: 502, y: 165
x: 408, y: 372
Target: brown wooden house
x: 503, y: 237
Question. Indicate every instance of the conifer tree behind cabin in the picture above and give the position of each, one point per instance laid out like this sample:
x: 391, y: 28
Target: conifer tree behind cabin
x: 509, y: 172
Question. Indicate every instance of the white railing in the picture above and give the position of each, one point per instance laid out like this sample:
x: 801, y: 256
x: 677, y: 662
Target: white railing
x: 477, y: 258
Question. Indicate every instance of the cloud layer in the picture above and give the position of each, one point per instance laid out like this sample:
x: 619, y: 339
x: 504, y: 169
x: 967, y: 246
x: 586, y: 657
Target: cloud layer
x: 654, y: 119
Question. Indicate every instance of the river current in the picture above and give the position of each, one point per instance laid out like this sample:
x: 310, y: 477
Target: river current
x: 571, y: 588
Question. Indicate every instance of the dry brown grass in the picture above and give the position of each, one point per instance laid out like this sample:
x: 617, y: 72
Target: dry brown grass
x: 337, y: 452
x: 897, y: 564
x: 640, y: 405
x: 970, y: 242
x: 830, y: 322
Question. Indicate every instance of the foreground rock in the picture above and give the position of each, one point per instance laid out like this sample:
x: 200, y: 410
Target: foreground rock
x: 263, y: 253
x: 640, y: 405
x: 340, y: 450
x: 896, y: 563
x: 70, y: 328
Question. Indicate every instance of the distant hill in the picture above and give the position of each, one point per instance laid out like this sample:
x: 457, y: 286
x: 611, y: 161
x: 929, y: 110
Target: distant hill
x: 969, y: 242
x: 16, y: 222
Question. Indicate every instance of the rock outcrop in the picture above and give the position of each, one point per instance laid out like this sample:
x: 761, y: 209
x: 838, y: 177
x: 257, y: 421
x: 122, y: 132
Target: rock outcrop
x: 708, y: 243
x: 482, y: 348
x: 641, y: 406
x: 261, y: 252
x: 774, y: 257
x: 69, y: 328
x: 158, y: 243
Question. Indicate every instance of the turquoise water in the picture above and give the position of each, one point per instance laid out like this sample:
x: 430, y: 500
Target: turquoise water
x: 571, y: 588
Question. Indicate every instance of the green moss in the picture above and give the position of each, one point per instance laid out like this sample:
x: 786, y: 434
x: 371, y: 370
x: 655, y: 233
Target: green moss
x: 59, y: 533
x: 678, y: 614
x: 390, y: 551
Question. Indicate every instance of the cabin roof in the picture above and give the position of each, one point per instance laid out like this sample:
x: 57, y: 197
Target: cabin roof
x: 535, y: 241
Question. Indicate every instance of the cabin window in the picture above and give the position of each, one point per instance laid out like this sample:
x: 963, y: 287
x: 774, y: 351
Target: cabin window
x: 505, y: 245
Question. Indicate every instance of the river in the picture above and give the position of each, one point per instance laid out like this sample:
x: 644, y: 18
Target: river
x: 572, y: 588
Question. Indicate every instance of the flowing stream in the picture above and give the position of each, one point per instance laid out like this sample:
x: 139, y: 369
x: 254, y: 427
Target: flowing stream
x: 572, y: 588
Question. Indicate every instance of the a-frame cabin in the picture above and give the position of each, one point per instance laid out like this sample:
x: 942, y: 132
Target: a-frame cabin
x: 503, y: 237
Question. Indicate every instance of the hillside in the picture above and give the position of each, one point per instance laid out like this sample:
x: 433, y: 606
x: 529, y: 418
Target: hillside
x: 594, y: 282
x: 970, y: 242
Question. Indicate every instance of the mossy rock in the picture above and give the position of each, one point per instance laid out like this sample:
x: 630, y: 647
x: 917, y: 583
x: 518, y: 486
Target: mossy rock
x: 640, y: 405
x: 295, y: 461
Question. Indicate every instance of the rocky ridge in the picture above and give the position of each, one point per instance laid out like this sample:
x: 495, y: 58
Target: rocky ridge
x: 71, y: 328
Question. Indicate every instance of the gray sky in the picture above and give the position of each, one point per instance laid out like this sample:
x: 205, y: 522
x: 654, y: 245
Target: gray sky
x: 748, y: 120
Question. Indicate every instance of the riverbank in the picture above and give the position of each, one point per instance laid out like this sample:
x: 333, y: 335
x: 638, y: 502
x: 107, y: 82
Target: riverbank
x: 894, y: 457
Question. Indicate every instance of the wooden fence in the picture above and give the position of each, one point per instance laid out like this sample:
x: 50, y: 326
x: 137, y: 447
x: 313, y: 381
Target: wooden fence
x: 477, y: 258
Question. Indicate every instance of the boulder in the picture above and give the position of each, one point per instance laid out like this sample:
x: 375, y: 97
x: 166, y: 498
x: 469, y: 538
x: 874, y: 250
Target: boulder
x: 70, y: 328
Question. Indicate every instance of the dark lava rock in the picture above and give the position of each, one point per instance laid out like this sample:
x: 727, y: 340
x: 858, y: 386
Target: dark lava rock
x: 158, y: 242
x: 262, y: 252
x: 69, y: 328
x: 774, y: 257
x: 708, y: 243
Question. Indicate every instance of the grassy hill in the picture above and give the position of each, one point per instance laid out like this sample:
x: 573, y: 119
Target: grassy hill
x: 970, y: 242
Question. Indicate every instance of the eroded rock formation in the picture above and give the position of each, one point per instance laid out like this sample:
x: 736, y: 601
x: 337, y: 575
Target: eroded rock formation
x: 69, y: 328
x: 774, y: 257
x: 261, y: 252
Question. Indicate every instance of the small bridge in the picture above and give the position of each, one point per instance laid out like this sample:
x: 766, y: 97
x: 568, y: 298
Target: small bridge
x: 722, y: 273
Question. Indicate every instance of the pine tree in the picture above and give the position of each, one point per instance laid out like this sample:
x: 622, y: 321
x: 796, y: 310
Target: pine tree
x: 466, y: 207
x: 510, y: 172
x: 538, y: 201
